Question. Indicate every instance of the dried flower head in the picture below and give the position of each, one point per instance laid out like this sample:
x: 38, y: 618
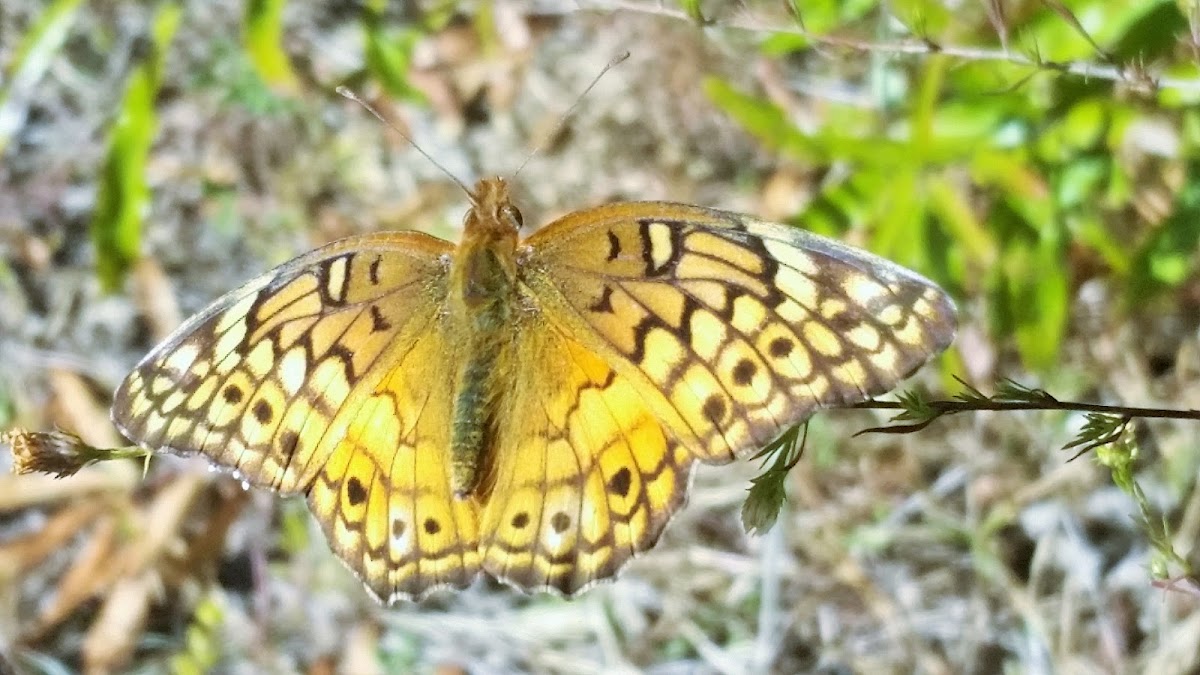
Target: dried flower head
x: 59, y: 453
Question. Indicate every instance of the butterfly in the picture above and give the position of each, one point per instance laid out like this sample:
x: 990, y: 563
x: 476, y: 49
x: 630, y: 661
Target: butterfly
x: 529, y: 409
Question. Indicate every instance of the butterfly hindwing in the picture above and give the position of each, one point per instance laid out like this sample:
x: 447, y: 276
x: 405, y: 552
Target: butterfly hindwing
x: 383, y: 497
x: 585, y: 476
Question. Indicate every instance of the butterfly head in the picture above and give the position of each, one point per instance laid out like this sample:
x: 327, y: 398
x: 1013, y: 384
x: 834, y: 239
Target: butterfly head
x: 492, y: 210
x: 485, y: 264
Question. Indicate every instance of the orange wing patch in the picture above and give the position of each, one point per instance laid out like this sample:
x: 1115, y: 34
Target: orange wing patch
x: 585, y: 476
x: 383, y: 497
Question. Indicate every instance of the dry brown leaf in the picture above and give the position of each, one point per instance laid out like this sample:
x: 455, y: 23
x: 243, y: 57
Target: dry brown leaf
x: 23, y: 553
x: 154, y: 295
x: 73, y: 406
x: 19, y: 492
x: 323, y: 665
x: 205, y: 550
x: 784, y: 194
x: 161, y: 522
x: 112, y: 637
x: 360, y: 653
x: 91, y: 573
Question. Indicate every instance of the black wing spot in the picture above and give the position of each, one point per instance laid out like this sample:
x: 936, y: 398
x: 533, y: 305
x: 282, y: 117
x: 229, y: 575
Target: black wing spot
x: 843, y: 322
x: 432, y: 526
x: 520, y: 520
x: 333, y: 297
x: 674, y: 245
x: 355, y: 491
x: 378, y: 323
x: 397, y: 528
x: 620, y: 482
x: 232, y: 394
x: 604, y: 304
x: 373, y: 274
x: 614, y: 246
x: 743, y: 372
x: 262, y: 411
x: 560, y: 522
x: 715, y: 408
x: 781, y: 347
x: 289, y: 443
x: 340, y: 352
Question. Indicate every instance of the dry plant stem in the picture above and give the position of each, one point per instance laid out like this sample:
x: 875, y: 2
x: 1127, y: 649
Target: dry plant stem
x: 939, y: 408
x: 1132, y: 74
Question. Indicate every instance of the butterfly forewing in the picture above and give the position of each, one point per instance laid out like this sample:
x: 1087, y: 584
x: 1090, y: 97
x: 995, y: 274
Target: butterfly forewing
x: 326, y: 376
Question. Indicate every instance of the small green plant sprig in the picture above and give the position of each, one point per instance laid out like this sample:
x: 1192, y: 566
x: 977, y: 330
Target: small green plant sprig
x: 1107, y: 430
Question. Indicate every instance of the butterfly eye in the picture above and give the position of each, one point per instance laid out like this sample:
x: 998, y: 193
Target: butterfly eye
x: 513, y: 215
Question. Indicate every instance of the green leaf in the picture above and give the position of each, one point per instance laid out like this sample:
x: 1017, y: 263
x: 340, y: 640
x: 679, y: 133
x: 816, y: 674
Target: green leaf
x: 1146, y: 31
x: 1081, y: 129
x: 922, y: 17
x: 767, y: 491
x: 1080, y: 180
x: 1037, y: 299
x: 123, y: 195
x: 841, y: 204
x: 389, y: 55
x: 764, y: 120
x: 202, y: 644
x: 1168, y: 258
x: 693, y: 10
x: 771, y: 125
x: 957, y: 217
x: 899, y: 232
x: 263, y: 41
x: 31, y: 59
x: 782, y: 44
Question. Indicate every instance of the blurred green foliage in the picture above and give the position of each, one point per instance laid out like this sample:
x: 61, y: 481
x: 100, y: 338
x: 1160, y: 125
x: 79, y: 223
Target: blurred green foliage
x: 263, y: 41
x: 994, y: 172
x: 996, y: 176
x: 31, y: 59
x: 202, y: 643
x: 123, y: 195
x: 266, y: 84
x: 389, y: 48
x: 945, y: 135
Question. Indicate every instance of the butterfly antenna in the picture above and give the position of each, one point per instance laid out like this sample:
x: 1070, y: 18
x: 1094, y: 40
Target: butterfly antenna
x: 562, y: 121
x: 346, y: 92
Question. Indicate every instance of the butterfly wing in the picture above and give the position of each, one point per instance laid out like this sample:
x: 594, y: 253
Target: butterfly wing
x: 584, y: 477
x: 327, y: 376
x: 735, y: 329
x: 657, y: 335
x: 383, y: 495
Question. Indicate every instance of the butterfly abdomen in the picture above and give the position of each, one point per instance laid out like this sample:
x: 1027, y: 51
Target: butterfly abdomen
x: 482, y: 297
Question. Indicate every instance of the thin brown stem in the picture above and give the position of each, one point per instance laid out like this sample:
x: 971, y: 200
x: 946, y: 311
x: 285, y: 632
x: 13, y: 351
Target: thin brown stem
x: 1133, y: 75
x: 950, y: 407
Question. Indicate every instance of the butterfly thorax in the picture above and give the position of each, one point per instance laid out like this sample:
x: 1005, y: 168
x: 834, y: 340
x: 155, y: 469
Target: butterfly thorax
x: 482, y: 299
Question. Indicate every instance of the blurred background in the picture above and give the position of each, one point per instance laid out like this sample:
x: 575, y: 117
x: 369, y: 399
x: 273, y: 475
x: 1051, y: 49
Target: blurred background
x: 1037, y: 158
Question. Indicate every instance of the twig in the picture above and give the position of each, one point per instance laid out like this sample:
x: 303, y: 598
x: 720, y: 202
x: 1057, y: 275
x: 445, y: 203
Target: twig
x: 1135, y: 75
x: 951, y: 407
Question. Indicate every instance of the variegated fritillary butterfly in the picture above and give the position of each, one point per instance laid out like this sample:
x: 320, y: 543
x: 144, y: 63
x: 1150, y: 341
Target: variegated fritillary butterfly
x: 532, y: 410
